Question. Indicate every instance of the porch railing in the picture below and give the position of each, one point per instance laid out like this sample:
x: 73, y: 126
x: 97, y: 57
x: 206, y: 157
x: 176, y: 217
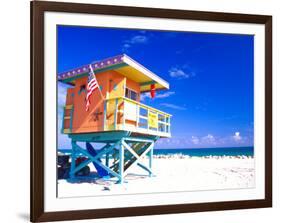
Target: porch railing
x: 125, y: 114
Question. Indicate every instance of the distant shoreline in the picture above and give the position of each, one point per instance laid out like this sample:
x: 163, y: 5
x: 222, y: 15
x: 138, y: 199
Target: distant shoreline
x: 181, y: 156
x: 207, y: 152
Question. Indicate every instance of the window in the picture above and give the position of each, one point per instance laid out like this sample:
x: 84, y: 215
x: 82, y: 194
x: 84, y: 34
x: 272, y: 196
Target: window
x: 131, y: 94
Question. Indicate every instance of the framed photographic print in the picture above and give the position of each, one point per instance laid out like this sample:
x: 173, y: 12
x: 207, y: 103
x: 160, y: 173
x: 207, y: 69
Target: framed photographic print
x: 141, y: 111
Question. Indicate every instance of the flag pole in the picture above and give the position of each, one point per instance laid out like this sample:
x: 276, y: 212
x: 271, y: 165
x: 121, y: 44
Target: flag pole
x: 92, y: 72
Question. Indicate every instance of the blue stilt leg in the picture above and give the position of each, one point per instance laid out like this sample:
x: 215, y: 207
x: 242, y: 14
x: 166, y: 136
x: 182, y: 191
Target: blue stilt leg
x: 73, y: 159
x: 121, y: 163
x: 151, y: 158
x: 107, y: 159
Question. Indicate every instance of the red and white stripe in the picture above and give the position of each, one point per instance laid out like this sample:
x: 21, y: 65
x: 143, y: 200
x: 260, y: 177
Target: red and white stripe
x: 92, y: 85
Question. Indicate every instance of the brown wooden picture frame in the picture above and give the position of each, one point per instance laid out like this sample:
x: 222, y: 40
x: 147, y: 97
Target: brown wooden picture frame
x: 37, y: 110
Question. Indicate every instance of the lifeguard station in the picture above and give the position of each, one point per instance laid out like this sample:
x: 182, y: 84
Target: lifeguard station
x: 127, y: 128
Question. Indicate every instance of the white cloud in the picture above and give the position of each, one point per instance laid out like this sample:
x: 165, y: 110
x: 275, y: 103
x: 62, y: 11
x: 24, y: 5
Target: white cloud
x: 168, y: 105
x: 237, y: 137
x: 164, y: 95
x: 145, y: 95
x: 182, y: 72
x: 205, y: 140
x: 62, y: 88
x: 209, y: 139
x: 178, y: 73
x: 195, y: 140
x: 138, y: 39
x: 126, y: 46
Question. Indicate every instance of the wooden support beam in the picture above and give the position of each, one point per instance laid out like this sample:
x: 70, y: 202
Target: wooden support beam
x: 145, y: 168
x: 130, y: 149
x: 138, y: 160
x: 132, y: 139
x: 102, y: 137
x: 121, y: 163
x: 126, y: 145
x: 107, y: 159
x: 95, y: 159
x: 151, y: 158
x: 81, y: 165
x: 73, y: 160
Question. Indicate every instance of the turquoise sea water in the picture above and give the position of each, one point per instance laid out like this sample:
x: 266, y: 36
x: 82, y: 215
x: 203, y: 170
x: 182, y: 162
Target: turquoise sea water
x: 228, y: 151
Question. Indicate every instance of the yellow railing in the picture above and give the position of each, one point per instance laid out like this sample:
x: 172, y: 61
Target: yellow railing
x: 122, y: 113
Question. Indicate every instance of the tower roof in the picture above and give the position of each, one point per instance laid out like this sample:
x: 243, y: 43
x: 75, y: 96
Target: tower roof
x: 124, y: 65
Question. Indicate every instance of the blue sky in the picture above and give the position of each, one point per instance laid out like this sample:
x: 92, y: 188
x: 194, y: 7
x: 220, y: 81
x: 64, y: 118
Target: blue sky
x: 210, y: 75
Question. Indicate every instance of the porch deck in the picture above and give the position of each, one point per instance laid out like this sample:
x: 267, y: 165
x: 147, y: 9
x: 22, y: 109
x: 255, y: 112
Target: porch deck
x: 124, y: 114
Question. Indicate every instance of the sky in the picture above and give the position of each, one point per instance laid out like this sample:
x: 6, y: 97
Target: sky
x: 211, y: 95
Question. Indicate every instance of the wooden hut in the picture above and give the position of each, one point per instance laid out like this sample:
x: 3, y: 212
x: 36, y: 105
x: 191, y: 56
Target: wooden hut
x: 116, y: 117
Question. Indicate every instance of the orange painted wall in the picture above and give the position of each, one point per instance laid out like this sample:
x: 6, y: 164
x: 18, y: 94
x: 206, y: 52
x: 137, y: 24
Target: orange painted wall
x: 116, y: 89
x: 69, y: 96
x: 93, y: 120
x: 112, y: 85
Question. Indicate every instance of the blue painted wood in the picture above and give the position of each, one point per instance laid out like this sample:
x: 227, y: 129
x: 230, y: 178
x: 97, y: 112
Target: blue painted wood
x: 130, y: 149
x: 138, y: 139
x: 150, y: 159
x: 71, y: 117
x: 121, y: 163
x: 107, y: 160
x: 145, y: 168
x: 138, y: 158
x: 81, y: 165
x: 106, y: 149
x: 115, y: 140
x: 95, y: 159
x: 75, y: 153
x: 108, y: 136
x: 101, y: 171
x: 73, y: 159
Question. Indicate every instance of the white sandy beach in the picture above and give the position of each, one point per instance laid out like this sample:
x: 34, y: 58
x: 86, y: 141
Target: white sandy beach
x: 172, y: 173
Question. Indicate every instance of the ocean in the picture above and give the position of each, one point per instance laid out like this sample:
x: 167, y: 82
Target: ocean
x: 227, y: 151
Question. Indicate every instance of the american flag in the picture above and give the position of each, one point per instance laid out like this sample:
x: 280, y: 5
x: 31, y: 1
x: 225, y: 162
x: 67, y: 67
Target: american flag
x: 92, y: 85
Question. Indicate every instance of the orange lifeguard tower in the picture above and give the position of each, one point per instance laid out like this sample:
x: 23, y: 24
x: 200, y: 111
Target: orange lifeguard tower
x: 115, y: 117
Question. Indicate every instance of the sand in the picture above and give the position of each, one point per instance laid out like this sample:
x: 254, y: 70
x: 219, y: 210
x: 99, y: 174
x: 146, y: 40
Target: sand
x: 171, y: 174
